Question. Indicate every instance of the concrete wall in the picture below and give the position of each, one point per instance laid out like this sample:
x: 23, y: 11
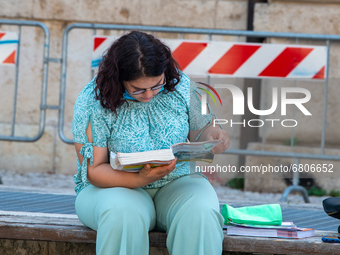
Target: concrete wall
x: 305, y: 18
x: 302, y: 16
x: 321, y: 173
x: 49, y: 154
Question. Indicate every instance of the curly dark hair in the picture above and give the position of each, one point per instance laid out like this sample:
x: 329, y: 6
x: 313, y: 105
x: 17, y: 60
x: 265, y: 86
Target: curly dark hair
x: 129, y: 58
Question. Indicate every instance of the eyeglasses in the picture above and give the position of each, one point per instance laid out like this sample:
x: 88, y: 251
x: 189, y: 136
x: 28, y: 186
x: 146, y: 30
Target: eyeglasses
x: 141, y: 91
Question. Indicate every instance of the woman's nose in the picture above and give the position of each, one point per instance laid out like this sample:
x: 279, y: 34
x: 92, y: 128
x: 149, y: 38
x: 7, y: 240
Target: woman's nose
x: 148, y: 93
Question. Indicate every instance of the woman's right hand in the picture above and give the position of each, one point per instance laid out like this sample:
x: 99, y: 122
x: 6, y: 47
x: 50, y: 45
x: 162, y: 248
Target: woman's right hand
x: 149, y: 175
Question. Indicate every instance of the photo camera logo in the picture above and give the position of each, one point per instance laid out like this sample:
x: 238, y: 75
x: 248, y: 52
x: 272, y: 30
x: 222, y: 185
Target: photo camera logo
x: 204, y: 97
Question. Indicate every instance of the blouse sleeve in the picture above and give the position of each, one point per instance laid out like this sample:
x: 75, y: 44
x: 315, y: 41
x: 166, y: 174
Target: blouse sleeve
x: 196, y: 118
x: 88, y: 110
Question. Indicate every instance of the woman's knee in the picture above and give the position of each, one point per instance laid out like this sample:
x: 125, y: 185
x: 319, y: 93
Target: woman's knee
x: 202, y: 209
x: 197, y: 209
x: 127, y: 208
x: 115, y: 207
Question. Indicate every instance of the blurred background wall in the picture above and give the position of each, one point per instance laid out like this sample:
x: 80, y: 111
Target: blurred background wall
x: 51, y: 155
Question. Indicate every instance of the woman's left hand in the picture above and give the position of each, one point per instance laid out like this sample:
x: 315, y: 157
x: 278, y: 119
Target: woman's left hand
x: 219, y: 134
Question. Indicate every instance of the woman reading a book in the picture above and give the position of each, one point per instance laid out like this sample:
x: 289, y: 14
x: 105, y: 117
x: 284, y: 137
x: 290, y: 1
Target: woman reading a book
x: 140, y: 101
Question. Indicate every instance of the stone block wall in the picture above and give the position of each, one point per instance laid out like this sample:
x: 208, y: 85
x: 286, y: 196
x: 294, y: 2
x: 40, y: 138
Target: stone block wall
x: 302, y: 16
x: 321, y: 173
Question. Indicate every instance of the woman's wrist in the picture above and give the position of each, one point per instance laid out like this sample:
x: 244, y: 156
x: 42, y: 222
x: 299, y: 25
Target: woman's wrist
x: 140, y: 181
x: 137, y: 181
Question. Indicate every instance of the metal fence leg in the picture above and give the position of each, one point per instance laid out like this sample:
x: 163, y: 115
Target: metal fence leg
x: 289, y: 189
x: 295, y: 186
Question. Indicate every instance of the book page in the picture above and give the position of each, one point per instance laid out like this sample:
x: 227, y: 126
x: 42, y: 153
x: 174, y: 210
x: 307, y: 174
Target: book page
x: 135, y: 167
x: 200, y: 151
x: 196, y: 151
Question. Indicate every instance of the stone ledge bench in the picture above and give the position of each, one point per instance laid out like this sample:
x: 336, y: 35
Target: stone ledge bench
x: 47, y: 234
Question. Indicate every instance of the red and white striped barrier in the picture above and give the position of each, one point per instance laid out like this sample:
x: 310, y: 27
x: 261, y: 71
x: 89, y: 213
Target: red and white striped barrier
x: 247, y: 60
x: 100, y: 44
x: 8, y: 47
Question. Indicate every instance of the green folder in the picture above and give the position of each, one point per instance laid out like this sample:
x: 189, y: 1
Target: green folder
x: 270, y: 214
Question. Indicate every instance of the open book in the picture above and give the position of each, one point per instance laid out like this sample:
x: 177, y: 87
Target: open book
x: 133, y: 162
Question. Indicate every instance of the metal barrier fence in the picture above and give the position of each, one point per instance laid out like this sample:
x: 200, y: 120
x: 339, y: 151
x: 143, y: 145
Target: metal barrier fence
x: 45, y: 61
x: 210, y: 32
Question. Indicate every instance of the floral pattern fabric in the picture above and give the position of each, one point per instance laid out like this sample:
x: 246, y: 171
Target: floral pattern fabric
x: 137, y: 127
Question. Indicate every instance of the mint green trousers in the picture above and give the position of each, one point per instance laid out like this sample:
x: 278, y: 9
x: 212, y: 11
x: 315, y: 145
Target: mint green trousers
x: 187, y: 209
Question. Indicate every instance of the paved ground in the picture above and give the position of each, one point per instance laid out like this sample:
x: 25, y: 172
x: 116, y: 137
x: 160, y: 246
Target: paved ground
x: 64, y: 184
x: 50, y: 193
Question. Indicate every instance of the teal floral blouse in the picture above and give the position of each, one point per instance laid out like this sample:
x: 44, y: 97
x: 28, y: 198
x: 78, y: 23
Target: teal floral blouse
x: 154, y: 125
